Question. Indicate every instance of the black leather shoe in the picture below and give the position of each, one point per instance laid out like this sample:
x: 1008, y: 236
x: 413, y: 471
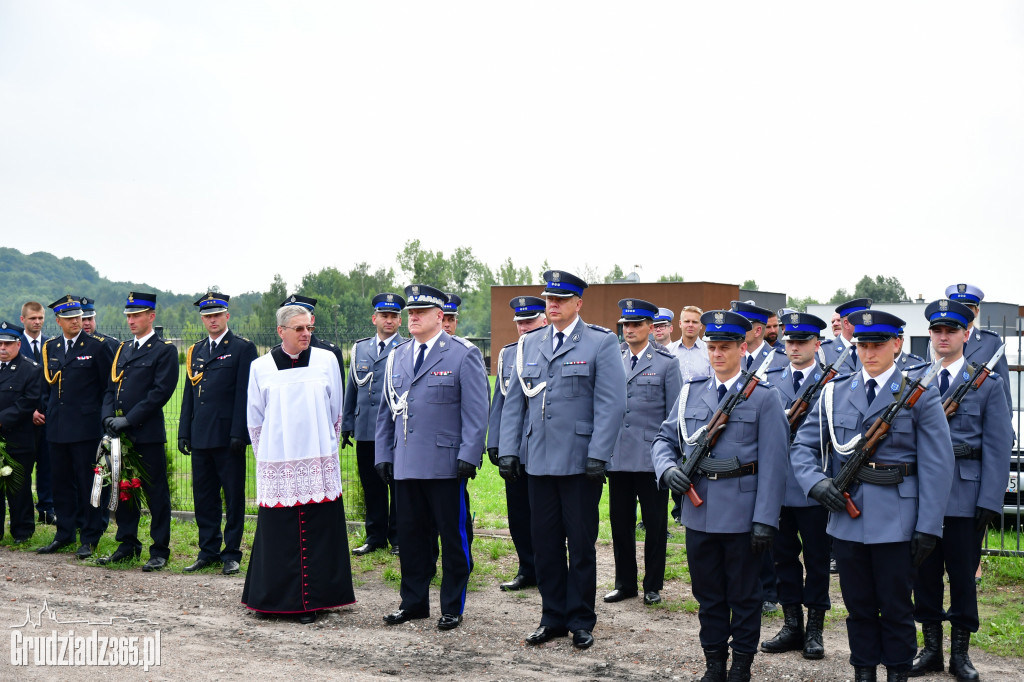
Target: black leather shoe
x: 582, y: 639
x: 367, y: 549
x: 117, y: 557
x: 20, y: 541
x: 619, y: 594
x: 54, y: 546
x: 449, y: 622
x: 85, y: 551
x: 653, y: 597
x: 231, y: 567
x: 307, y: 617
x: 545, y: 633
x: 401, y: 616
x: 155, y: 563
x: 394, y: 550
x: 517, y: 583
x: 199, y: 565
x: 48, y: 518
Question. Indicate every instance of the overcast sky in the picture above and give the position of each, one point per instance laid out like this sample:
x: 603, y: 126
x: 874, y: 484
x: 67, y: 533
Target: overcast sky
x: 802, y: 145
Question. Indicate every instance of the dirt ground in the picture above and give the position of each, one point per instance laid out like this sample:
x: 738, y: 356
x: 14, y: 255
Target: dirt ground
x: 207, y: 634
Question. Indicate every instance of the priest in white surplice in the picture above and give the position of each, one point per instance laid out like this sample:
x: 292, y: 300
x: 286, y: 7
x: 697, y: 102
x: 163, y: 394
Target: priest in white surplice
x: 300, y: 561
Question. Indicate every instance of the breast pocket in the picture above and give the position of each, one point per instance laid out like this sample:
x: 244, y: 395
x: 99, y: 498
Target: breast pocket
x: 846, y: 425
x: 742, y: 427
x: 649, y: 388
x: 968, y: 415
x: 575, y: 379
x: 901, y: 434
x: 696, y: 417
x: 441, y: 389
x: 530, y: 375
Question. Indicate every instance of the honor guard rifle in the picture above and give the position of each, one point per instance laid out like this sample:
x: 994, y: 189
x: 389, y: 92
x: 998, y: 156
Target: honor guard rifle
x: 798, y: 410
x: 952, y: 403
x: 865, y: 445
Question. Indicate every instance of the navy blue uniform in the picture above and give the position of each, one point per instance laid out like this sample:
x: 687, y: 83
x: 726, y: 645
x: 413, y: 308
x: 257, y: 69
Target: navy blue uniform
x: 20, y: 390
x: 141, y: 383
x: 76, y: 383
x: 212, y: 414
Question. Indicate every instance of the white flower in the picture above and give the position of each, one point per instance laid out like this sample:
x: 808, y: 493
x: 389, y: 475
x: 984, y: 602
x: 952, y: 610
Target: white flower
x: 6, y: 471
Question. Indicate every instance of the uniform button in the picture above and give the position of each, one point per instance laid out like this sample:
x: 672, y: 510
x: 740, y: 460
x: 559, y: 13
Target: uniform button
x: 627, y: 425
x: 549, y: 416
x: 627, y: 410
x: 411, y: 430
x: 629, y: 395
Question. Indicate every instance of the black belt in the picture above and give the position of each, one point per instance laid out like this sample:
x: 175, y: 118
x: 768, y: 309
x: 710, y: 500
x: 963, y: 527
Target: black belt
x: 965, y: 451
x: 876, y: 473
x: 730, y: 468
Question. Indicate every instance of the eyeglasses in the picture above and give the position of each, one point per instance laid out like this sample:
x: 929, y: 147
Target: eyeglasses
x: 301, y: 329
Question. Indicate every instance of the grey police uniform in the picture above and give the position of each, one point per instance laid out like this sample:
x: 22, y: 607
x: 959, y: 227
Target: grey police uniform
x: 652, y: 389
x: 575, y: 417
x: 441, y: 420
x: 365, y: 387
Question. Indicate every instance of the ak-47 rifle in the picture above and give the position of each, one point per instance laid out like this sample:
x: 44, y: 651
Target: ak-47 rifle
x: 710, y: 433
x: 952, y: 403
x: 865, y: 445
x: 798, y: 410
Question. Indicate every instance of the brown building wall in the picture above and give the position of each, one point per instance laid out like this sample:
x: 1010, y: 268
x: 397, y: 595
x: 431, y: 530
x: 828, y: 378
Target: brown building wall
x: 601, y: 303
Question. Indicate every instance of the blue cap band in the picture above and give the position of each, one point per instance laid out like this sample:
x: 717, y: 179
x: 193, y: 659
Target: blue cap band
x: 949, y: 314
x: 563, y: 285
x: 862, y: 330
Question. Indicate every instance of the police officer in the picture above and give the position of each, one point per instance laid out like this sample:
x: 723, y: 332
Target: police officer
x: 76, y: 368
x: 663, y: 327
x: 450, y: 322
x: 901, y: 497
x: 529, y: 315
x: 309, y: 304
x: 834, y: 347
x: 905, y: 360
x: 89, y: 324
x: 653, y: 381
x: 757, y: 349
x: 740, y: 510
x: 982, y: 437
x: 20, y: 392
x: 981, y: 344
x: 142, y: 380
x: 569, y: 387
x: 802, y: 520
x: 359, y: 419
x: 212, y: 429
x: 430, y: 440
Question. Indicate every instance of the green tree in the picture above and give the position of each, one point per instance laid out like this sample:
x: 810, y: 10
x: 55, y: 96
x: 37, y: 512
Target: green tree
x: 840, y: 296
x: 800, y: 303
x: 749, y: 285
x: 424, y: 266
x: 266, y: 309
x: 880, y: 289
x: 509, y: 275
x: 674, y: 277
x: 615, y: 274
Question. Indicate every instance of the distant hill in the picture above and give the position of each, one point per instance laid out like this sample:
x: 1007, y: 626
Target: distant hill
x: 43, y: 277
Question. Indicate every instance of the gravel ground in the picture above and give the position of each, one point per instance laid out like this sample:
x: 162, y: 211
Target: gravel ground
x: 207, y: 634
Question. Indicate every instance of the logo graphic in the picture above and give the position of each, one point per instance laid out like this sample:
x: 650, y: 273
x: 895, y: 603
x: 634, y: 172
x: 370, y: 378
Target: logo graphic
x: 867, y: 319
x: 719, y: 318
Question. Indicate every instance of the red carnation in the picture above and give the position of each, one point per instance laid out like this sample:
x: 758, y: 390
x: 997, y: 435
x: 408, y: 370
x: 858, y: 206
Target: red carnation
x: 125, y: 484
x: 124, y: 496
x: 98, y: 470
x: 136, y: 483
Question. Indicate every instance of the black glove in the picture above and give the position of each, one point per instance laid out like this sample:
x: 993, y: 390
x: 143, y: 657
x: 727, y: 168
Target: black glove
x: 595, y: 470
x: 106, y: 427
x: 386, y: 471
x: 237, y: 446
x: 346, y: 439
x: 466, y: 470
x: 117, y: 425
x: 921, y: 545
x: 761, y: 537
x: 492, y: 454
x: 983, y: 517
x: 828, y: 495
x: 508, y: 468
x: 185, y: 446
x: 675, y: 480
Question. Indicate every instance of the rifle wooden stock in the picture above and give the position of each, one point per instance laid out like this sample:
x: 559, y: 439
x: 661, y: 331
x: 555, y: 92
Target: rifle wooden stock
x: 952, y: 403
x: 798, y: 409
x: 869, y: 443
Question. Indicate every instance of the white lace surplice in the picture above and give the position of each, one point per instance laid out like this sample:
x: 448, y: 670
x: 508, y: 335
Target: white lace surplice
x: 294, y: 418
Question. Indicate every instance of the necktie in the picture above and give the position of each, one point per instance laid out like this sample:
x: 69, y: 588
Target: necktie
x: 419, y: 358
x: 68, y: 345
x: 798, y: 378
x: 943, y: 381
x: 136, y: 344
x: 380, y: 348
x: 3, y: 366
x: 561, y: 338
x: 721, y: 392
x: 871, y: 390
x: 632, y: 363
x: 35, y: 349
x: 750, y: 360
x: 853, y: 354
x: 213, y: 348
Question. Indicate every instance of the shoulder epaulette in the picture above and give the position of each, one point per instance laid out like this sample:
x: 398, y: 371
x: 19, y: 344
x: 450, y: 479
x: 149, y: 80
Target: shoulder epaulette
x: 404, y: 341
x: 535, y: 329
x: 914, y: 368
x: 599, y: 328
x: 776, y: 369
x: 52, y: 339
x: 844, y: 377
x: 98, y: 337
x: 242, y: 338
x: 697, y: 380
x: 510, y: 345
x: 465, y: 342
x: 990, y: 332
x: 33, y: 361
x: 367, y: 338
x: 664, y: 353
x: 169, y: 343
